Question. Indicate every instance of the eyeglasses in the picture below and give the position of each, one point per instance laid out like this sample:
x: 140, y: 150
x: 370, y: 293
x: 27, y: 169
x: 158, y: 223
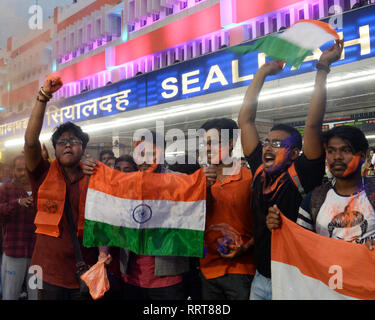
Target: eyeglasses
x: 73, y: 142
x: 273, y: 143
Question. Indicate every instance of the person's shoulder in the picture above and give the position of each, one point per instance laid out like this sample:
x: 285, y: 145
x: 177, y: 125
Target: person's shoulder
x: 302, y: 157
x: 246, y: 173
x: 309, y: 167
x: 319, y: 194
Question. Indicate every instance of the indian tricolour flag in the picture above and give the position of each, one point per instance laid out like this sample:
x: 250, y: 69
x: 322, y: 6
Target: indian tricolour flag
x: 308, y: 266
x: 147, y: 213
x: 294, y: 44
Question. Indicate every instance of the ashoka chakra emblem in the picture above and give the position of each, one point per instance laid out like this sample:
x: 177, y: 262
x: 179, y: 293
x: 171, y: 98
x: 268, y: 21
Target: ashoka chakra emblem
x: 142, y: 213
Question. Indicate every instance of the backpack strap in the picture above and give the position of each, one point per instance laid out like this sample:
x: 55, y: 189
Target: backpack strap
x: 318, y: 197
x: 292, y: 173
x: 297, y: 182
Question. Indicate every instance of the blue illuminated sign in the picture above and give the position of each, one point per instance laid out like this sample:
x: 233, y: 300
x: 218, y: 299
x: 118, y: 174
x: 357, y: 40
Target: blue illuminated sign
x: 210, y: 73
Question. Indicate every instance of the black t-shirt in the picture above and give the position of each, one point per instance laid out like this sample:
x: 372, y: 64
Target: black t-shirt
x: 284, y: 194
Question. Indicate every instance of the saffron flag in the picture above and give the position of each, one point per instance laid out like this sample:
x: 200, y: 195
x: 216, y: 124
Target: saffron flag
x: 148, y: 213
x: 309, y: 266
x: 294, y: 44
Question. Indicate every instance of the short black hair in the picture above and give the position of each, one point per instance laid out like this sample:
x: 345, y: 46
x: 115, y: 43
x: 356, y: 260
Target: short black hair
x: 297, y: 138
x: 72, y: 128
x: 127, y: 158
x: 354, y: 136
x: 102, y: 153
x: 222, y: 123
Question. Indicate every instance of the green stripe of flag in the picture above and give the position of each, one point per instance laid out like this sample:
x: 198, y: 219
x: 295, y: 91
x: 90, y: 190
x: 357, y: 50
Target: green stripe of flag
x: 154, y: 242
x: 276, y: 48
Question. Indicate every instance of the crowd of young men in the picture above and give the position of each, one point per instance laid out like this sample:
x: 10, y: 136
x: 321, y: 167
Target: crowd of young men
x: 243, y: 205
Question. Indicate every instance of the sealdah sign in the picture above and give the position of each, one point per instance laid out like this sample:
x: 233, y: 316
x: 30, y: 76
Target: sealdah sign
x: 190, y: 80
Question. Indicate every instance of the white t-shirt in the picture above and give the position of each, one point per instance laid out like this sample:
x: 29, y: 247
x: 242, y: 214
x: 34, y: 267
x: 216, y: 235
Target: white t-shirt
x: 349, y: 218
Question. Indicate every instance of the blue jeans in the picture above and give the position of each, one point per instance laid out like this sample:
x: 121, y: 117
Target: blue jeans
x: 261, y: 288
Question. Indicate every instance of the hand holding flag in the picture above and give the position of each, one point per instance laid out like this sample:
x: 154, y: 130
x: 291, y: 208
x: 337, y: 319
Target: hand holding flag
x: 273, y: 219
x: 294, y: 44
x: 333, y: 53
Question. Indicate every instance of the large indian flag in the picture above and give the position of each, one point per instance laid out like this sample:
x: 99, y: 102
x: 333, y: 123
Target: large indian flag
x: 295, y: 43
x: 147, y: 213
x: 308, y: 266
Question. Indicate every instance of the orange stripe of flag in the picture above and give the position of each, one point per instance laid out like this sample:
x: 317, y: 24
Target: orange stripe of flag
x: 149, y: 185
x: 323, y: 25
x: 314, y: 254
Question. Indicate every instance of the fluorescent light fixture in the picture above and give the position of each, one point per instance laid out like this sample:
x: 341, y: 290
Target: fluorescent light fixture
x: 21, y: 141
x: 160, y: 115
x: 153, y: 116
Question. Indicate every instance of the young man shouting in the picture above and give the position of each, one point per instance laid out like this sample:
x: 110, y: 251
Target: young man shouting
x: 280, y: 173
x: 345, y: 210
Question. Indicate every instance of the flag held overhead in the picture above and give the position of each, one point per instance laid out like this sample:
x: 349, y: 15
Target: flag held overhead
x: 295, y: 43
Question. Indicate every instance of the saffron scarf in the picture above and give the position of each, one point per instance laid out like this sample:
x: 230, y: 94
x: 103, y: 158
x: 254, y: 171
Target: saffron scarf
x: 51, y: 202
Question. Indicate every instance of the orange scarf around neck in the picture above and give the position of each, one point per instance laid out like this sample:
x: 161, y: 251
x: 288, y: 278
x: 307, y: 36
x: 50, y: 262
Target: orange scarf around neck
x: 51, y: 201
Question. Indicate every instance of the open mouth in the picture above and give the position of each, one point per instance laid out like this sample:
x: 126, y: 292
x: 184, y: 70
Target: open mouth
x: 268, y: 159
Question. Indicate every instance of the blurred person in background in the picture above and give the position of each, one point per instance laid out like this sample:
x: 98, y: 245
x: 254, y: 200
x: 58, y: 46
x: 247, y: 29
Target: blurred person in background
x: 105, y: 155
x: 17, y: 214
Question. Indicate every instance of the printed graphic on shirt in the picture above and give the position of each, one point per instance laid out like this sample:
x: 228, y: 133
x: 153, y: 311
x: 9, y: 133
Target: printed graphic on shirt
x: 346, y: 218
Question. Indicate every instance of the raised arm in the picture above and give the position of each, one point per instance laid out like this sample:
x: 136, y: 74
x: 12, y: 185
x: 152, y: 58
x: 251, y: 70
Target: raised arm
x: 246, y: 117
x: 313, y: 146
x: 33, y: 150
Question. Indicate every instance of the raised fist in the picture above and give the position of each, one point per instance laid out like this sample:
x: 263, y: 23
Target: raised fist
x: 52, y: 84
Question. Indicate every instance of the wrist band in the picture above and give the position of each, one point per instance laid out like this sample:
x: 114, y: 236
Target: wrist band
x: 321, y: 66
x: 47, y: 96
x: 41, y: 100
